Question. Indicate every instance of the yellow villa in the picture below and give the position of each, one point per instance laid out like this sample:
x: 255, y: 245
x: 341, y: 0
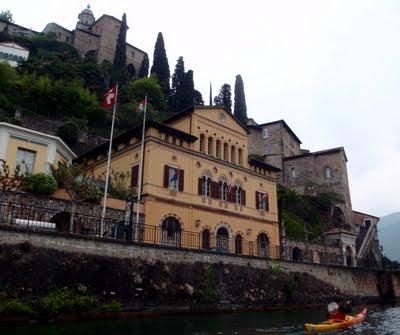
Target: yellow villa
x: 199, y: 187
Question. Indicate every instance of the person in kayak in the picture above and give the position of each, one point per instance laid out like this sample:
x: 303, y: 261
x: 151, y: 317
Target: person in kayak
x: 339, y: 311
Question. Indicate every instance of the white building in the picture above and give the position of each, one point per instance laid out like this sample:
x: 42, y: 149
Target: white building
x: 12, y: 53
x: 32, y: 150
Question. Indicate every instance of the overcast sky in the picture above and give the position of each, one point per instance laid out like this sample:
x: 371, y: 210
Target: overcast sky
x: 330, y: 69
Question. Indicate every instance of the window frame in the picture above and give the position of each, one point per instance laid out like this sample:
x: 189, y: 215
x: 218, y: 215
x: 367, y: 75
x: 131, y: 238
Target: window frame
x: 25, y: 167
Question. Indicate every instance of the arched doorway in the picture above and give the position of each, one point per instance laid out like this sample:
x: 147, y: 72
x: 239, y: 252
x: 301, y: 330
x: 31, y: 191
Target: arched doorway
x: 205, y: 239
x: 296, y: 254
x: 238, y: 244
x: 349, y: 256
x: 171, y: 232
x: 222, y: 239
x: 262, y: 245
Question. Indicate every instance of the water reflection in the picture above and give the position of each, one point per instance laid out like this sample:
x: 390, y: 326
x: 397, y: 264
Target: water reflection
x: 380, y: 321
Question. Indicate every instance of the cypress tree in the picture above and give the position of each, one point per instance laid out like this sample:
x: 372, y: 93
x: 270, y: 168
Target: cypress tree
x: 188, y: 90
x: 144, y: 68
x: 224, y: 98
x: 240, y: 109
x: 160, y: 65
x: 119, y: 72
x: 177, y: 88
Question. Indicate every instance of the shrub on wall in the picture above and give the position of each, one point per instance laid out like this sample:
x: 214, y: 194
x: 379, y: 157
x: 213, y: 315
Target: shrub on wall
x: 41, y: 183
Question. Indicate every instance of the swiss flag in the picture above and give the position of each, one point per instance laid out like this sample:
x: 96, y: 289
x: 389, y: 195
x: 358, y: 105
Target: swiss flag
x: 110, y: 97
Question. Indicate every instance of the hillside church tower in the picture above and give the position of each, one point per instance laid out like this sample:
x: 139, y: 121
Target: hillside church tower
x: 85, y: 19
x: 97, y: 36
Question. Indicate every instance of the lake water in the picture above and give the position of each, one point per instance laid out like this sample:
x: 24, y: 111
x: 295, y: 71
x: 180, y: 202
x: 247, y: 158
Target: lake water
x: 380, y: 320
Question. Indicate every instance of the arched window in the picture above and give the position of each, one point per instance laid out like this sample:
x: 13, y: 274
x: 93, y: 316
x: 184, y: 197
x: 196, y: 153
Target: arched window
x: 238, y: 194
x: 202, y: 143
x: 265, y: 133
x: 226, y: 152
x: 223, y: 188
x: 218, y: 149
x: 205, y: 239
x: 349, y: 256
x: 327, y: 172
x: 240, y: 154
x: 233, y: 154
x: 238, y: 244
x: 293, y: 172
x: 222, y: 239
x: 296, y: 254
x: 210, y: 146
x: 205, y: 185
x: 262, y: 245
x: 171, y: 232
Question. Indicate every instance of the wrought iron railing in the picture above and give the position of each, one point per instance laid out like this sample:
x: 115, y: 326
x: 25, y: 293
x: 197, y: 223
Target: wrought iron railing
x: 28, y: 217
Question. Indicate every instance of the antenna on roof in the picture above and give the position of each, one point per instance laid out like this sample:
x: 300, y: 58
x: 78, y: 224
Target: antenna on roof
x: 211, y: 103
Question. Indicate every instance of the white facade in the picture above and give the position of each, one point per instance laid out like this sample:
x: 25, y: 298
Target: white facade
x: 12, y: 53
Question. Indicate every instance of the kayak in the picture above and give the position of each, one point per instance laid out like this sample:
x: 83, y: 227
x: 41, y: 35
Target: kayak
x: 333, y: 324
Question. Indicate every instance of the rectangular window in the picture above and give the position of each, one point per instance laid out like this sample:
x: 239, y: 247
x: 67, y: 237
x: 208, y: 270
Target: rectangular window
x: 135, y: 176
x: 262, y: 201
x: 173, y: 178
x: 25, y: 160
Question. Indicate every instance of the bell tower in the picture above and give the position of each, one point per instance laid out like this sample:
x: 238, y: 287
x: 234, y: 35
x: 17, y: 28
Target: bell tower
x: 85, y: 19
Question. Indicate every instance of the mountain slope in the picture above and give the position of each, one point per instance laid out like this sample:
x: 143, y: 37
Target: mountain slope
x: 389, y: 234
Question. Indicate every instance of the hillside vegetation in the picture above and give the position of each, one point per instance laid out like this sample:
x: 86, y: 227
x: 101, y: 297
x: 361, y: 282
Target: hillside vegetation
x: 57, y: 83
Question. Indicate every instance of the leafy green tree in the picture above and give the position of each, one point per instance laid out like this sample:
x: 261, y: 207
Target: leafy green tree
x: 144, y: 67
x: 69, y: 133
x: 8, y: 81
x: 41, y: 183
x: 137, y: 90
x: 160, y: 65
x: 119, y: 72
x: 197, y: 98
x: 6, y: 15
x: 91, y: 73
x: 224, y: 98
x: 80, y: 184
x: 240, y: 109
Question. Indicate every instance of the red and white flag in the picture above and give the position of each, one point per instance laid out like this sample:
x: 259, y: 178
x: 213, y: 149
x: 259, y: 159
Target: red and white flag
x: 140, y: 107
x: 110, y: 97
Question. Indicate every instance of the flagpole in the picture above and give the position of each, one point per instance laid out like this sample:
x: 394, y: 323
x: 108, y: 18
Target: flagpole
x: 108, y: 165
x: 140, y: 177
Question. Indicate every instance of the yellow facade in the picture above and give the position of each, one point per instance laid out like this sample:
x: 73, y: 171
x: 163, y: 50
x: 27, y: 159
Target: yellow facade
x: 194, y: 210
x: 43, y: 149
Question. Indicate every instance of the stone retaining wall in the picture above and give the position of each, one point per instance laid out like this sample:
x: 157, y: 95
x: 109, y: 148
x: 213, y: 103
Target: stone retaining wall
x: 353, y: 281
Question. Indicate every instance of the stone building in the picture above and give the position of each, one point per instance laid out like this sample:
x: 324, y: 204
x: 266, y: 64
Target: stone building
x: 99, y: 36
x: 310, y: 173
x: 15, y: 29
